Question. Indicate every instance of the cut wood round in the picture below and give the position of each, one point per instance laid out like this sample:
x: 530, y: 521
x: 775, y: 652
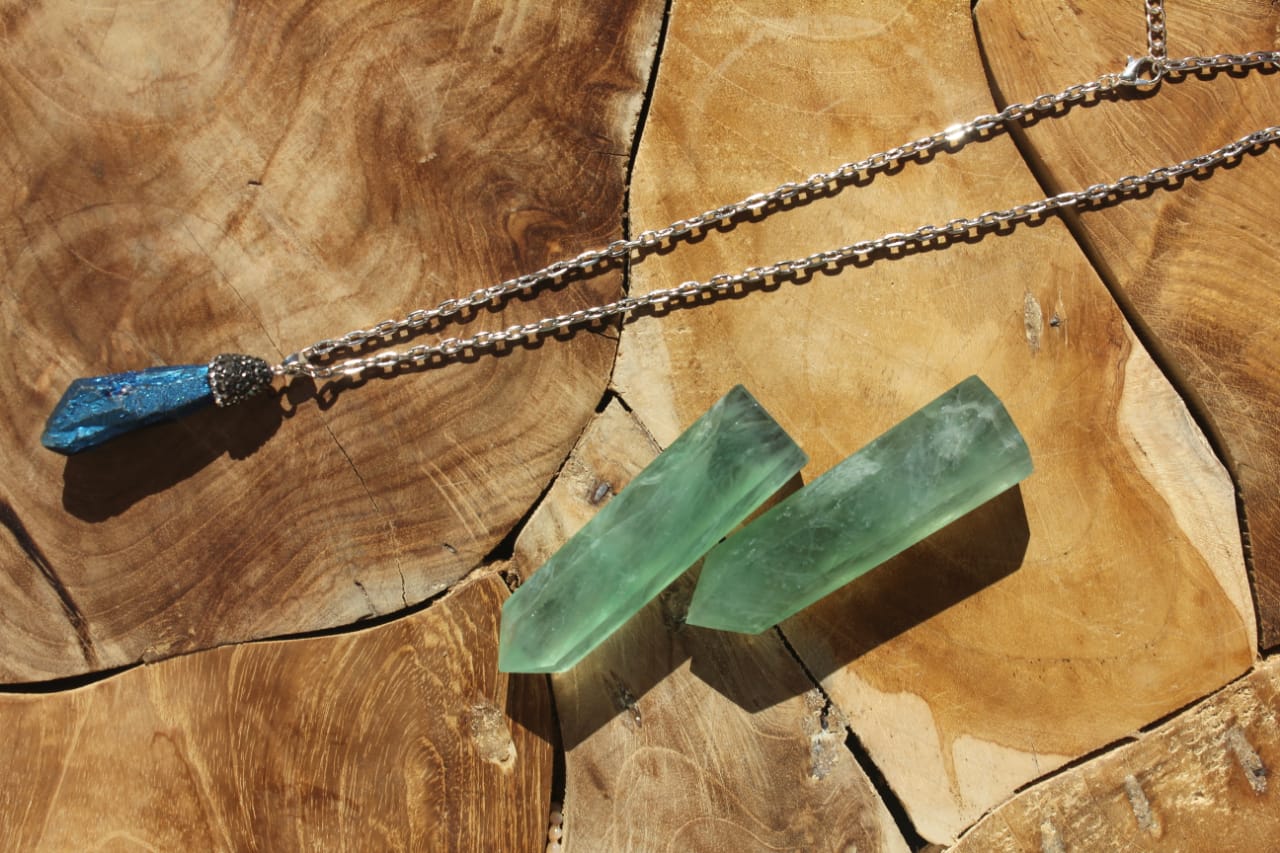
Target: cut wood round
x: 229, y: 178
x: 400, y: 737
x: 1111, y: 589
x: 1202, y: 781
x: 1073, y: 665
x: 1196, y: 263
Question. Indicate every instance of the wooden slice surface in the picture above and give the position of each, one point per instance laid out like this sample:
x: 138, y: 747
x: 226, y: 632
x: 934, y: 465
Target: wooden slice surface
x: 202, y: 177
x: 1111, y: 588
x: 680, y: 738
x: 1203, y: 781
x: 401, y: 737
x: 1198, y: 264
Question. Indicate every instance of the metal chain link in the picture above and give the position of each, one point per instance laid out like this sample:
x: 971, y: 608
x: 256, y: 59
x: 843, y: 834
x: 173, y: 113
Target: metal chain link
x: 1142, y: 72
x: 1156, y: 46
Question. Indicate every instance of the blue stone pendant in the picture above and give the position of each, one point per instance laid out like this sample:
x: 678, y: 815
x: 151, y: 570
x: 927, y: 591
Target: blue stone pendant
x: 99, y: 408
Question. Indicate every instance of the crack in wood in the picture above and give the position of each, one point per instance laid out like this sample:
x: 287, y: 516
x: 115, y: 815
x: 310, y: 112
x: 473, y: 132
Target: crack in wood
x: 858, y: 753
x: 505, y: 548
x: 1146, y: 336
x: 23, y: 539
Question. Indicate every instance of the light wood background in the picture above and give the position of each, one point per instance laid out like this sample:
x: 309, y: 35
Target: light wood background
x: 1083, y: 664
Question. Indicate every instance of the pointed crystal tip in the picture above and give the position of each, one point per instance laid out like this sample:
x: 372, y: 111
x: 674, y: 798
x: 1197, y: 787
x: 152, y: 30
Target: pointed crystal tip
x: 99, y: 408
x: 697, y: 490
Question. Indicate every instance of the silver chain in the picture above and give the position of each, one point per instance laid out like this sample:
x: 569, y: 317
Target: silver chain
x: 1142, y: 72
x: 1157, y: 49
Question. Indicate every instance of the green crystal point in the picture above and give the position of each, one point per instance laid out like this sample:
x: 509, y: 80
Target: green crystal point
x: 948, y: 458
x: 696, y: 491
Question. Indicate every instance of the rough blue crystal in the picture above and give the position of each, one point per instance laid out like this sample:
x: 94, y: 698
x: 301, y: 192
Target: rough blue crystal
x: 102, y: 407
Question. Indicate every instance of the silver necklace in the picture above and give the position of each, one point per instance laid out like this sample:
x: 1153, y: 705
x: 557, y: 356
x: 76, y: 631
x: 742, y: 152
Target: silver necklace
x: 101, y: 402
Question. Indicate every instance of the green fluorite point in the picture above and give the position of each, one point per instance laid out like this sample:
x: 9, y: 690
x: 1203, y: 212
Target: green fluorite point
x: 696, y: 491
x: 953, y: 455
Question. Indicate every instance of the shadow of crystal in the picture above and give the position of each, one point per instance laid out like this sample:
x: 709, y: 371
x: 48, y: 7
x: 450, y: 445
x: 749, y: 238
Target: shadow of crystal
x: 757, y: 671
x: 957, y: 562
x: 107, y: 480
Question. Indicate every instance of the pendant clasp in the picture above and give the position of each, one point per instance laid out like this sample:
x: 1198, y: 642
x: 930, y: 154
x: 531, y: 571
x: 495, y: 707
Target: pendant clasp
x: 1142, y: 72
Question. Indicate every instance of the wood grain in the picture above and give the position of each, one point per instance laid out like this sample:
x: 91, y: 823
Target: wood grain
x: 208, y: 176
x: 679, y: 738
x: 1198, y: 266
x: 1111, y: 588
x: 1202, y: 781
x: 401, y: 737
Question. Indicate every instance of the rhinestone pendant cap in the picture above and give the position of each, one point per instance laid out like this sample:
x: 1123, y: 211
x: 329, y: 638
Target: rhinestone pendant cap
x: 235, y: 378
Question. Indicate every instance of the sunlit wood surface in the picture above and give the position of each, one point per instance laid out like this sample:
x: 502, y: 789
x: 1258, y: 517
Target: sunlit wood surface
x: 1079, y: 665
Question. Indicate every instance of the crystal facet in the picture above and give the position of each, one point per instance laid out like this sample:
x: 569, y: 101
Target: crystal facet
x: 953, y: 455
x: 99, y: 408
x: 701, y: 487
